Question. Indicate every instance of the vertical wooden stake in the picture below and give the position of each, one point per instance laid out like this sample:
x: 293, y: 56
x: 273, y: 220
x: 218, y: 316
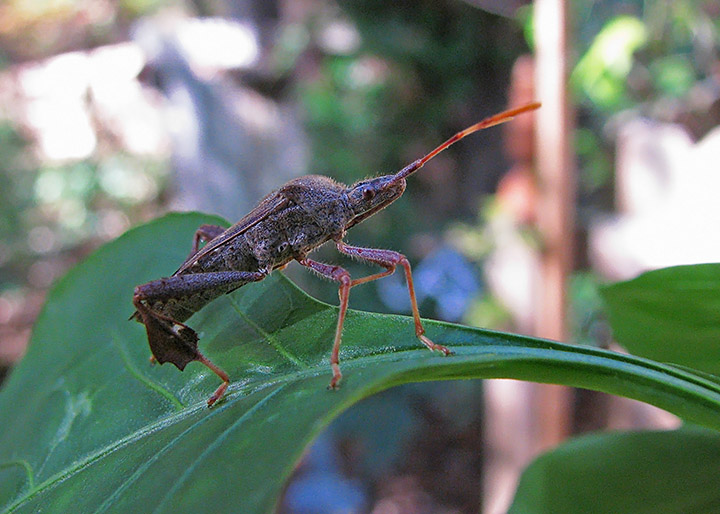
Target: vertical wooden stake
x: 555, y: 217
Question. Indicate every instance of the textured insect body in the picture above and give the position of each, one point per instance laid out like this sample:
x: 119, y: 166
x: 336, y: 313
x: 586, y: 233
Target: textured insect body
x: 287, y: 225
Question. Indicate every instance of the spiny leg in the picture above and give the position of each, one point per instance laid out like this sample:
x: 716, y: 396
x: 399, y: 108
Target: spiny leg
x: 341, y: 275
x: 390, y: 259
x: 173, y: 341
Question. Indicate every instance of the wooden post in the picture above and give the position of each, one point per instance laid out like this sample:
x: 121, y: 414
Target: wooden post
x: 555, y: 217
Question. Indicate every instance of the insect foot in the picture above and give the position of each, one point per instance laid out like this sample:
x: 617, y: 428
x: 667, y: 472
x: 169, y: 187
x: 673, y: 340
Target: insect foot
x: 434, y: 346
x: 336, y: 378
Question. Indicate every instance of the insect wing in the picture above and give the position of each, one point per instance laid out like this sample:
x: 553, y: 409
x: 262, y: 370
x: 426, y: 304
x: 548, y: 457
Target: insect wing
x: 271, y: 204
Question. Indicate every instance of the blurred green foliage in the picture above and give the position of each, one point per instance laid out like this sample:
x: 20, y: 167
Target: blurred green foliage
x: 661, y: 51
x: 421, y: 71
x: 51, y: 209
x: 656, y: 58
x: 15, y: 197
x: 602, y: 73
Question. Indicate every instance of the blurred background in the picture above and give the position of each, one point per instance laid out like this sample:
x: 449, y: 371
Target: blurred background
x: 114, y: 112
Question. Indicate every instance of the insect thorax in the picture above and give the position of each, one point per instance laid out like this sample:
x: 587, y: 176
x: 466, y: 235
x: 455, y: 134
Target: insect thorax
x: 294, y: 232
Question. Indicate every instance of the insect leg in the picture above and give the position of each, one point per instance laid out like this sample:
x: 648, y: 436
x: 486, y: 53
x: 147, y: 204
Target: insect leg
x: 339, y: 275
x: 390, y: 259
x: 171, y: 340
x: 205, y: 233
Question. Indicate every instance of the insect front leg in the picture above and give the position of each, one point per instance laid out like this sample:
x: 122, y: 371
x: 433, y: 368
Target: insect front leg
x: 203, y: 234
x: 390, y: 259
x: 173, y: 341
x: 341, y: 275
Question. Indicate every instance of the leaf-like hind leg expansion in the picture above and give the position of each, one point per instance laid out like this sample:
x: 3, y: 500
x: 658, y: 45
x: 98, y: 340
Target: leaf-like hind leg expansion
x: 170, y: 340
x: 389, y: 260
x: 173, y: 341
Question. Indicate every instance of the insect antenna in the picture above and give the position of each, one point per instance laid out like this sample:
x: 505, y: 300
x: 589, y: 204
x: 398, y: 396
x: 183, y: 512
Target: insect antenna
x: 491, y: 121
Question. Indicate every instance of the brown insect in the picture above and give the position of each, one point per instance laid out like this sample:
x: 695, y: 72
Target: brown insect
x: 287, y: 225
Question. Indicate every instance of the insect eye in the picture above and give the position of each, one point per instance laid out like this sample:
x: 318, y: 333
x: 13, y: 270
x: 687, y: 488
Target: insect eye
x: 368, y: 193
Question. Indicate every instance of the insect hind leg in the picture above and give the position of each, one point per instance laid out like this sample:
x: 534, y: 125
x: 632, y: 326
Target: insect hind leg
x: 173, y: 341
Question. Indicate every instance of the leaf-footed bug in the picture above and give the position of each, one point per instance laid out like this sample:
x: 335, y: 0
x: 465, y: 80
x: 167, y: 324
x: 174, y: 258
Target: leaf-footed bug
x: 287, y: 225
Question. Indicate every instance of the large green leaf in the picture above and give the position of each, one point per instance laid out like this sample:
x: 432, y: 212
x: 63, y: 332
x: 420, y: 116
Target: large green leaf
x: 642, y: 472
x: 89, y: 426
x: 669, y: 315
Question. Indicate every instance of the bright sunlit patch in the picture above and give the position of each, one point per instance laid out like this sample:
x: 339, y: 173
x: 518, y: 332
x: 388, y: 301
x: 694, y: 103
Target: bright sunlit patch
x: 121, y: 102
x: 218, y: 43
x: 68, y: 96
x: 60, y: 76
x: 63, y: 127
x: 56, y: 106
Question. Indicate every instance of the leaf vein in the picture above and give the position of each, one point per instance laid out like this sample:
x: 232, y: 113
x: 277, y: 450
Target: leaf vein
x: 220, y: 437
x: 126, y: 441
x: 146, y: 465
x: 26, y: 466
x: 142, y: 378
x: 270, y: 338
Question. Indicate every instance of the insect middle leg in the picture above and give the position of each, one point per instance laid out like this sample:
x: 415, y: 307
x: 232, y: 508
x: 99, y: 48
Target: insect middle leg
x: 172, y: 341
x: 389, y: 260
x: 343, y: 276
x: 386, y: 258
